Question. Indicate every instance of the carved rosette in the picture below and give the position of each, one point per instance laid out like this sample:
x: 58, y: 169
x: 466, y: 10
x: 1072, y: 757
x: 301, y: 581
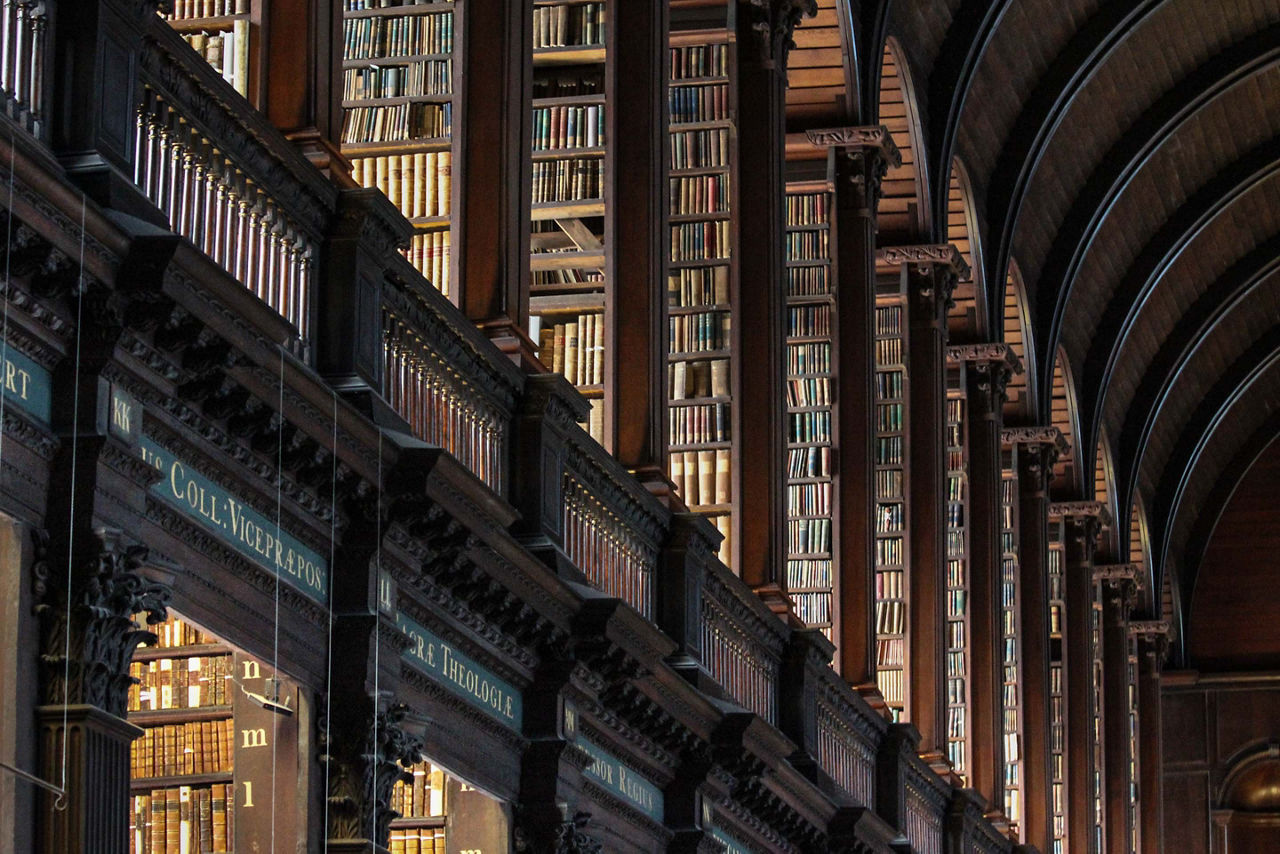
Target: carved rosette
x: 774, y: 22
x: 365, y: 754
x: 85, y: 653
x: 991, y: 366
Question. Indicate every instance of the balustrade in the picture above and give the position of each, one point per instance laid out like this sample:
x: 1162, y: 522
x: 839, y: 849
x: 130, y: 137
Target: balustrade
x: 848, y: 733
x: 742, y: 642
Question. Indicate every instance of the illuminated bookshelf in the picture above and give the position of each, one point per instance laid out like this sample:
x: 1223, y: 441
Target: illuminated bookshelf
x: 1057, y: 673
x: 1010, y: 646
x: 957, y: 613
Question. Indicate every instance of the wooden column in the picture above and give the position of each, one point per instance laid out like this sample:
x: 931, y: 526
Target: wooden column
x: 1153, y: 646
x: 636, y: 229
x: 493, y: 91
x: 931, y: 274
x: 859, y: 159
x: 298, y: 79
x: 764, y: 37
x: 1119, y: 592
x: 990, y: 367
x: 1077, y: 666
x: 1036, y: 457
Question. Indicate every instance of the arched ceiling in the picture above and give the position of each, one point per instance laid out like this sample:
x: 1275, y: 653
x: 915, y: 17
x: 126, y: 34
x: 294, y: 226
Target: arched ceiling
x: 1127, y: 154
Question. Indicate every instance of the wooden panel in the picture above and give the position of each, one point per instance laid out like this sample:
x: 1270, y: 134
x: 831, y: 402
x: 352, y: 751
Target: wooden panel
x: 1186, y: 812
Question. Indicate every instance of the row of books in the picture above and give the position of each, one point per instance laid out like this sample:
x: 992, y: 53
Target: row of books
x: 430, y: 255
x: 806, y: 427
x: 814, y: 461
x: 422, y: 797
x: 808, y: 573
x: 889, y: 483
x: 566, y: 83
x: 807, y: 209
x: 808, y: 536
x: 891, y: 684
x: 889, y: 351
x: 699, y: 424
x: 808, y: 499
x: 698, y: 286
x: 194, y: 747
x: 889, y: 652
x: 429, y: 77
x: 575, y: 349
x: 185, y: 10
x: 419, y: 184
x: 227, y: 52
x: 889, y: 518
x: 702, y: 477
x: 955, y: 634
x: 955, y: 538
x: 889, y: 384
x: 568, y: 127
x: 809, y: 358
x: 809, y: 391
x: 700, y: 149
x: 889, y: 320
x: 180, y: 683
x: 814, y: 608
x: 955, y: 714
x: 955, y: 487
x: 702, y: 60
x: 360, y: 5
x: 957, y: 599
x: 689, y: 104
x: 690, y: 380
x: 700, y: 241
x: 888, y: 450
x: 699, y: 333
x: 699, y: 194
x: 563, y: 25
x: 567, y: 276
x: 808, y: 281
x: 889, y: 418
x: 889, y: 584
x: 567, y: 179
x: 889, y: 551
x: 397, y: 122
x: 176, y: 632
x: 407, y: 35
x: 955, y: 673
x: 183, y: 819
x: 808, y: 245
x: 418, y: 840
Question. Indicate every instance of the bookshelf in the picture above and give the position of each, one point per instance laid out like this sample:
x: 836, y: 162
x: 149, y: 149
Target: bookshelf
x: 813, y: 523
x: 1010, y: 646
x: 570, y: 299
x: 422, y: 805
x: 202, y: 770
x: 1057, y: 670
x: 1095, y: 712
x: 225, y: 33
x: 1132, y: 722
x: 958, y: 627
x: 891, y: 455
x: 702, y: 280
x: 397, y: 128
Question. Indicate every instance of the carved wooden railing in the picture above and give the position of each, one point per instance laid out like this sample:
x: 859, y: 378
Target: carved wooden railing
x: 22, y: 55
x: 443, y: 378
x: 926, y: 799
x: 742, y: 642
x: 228, y: 180
x: 613, y: 528
x: 849, y: 734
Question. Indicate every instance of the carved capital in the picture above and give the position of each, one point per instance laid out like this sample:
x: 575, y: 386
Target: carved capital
x: 1120, y: 583
x: 1039, y: 448
x: 1091, y: 509
x: 935, y: 255
x: 774, y: 22
x: 872, y: 139
x: 366, y: 751
x: 990, y: 367
x: 572, y: 837
x: 85, y: 652
x: 1153, y: 637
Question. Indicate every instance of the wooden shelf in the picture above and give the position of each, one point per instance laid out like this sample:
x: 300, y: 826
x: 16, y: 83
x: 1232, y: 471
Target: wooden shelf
x: 400, y: 146
x: 178, y: 716
x: 218, y: 23
x: 397, y: 11
x: 394, y: 100
x: 563, y: 153
x: 575, y: 209
x: 142, y: 785
x: 154, y: 653
x: 574, y: 54
x: 408, y: 59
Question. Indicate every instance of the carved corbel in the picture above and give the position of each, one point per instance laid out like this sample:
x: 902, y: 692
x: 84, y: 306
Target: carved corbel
x: 1153, y: 638
x: 990, y: 366
x: 774, y: 22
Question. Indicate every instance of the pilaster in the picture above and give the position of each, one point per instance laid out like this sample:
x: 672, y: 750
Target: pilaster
x: 1119, y: 592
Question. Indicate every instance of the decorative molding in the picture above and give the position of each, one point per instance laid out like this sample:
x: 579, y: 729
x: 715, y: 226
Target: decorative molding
x: 1035, y: 436
x: 870, y: 138
x: 85, y: 653
x: 1081, y: 509
x: 774, y: 22
x: 940, y: 254
x: 1118, y: 573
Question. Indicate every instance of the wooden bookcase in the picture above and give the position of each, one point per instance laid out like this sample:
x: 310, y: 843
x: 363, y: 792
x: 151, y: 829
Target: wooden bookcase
x: 1132, y: 765
x: 423, y: 808
x: 570, y: 291
x: 813, y: 522
x: 959, y: 662
x: 1096, y: 738
x: 202, y: 773
x: 227, y: 33
x: 398, y: 93
x: 702, y: 279
x: 1057, y: 675
x: 891, y: 459
x: 1010, y: 634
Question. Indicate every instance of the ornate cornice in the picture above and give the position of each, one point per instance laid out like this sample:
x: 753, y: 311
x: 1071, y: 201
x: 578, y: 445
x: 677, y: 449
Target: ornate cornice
x: 1050, y: 436
x: 774, y: 22
x: 1118, y: 573
x: 993, y: 353
x: 1156, y: 635
x: 1075, y: 509
x: 869, y: 138
x: 941, y: 254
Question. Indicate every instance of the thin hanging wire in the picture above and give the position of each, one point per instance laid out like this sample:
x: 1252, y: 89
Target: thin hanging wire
x: 333, y: 539
x: 275, y: 653
x: 60, y: 803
